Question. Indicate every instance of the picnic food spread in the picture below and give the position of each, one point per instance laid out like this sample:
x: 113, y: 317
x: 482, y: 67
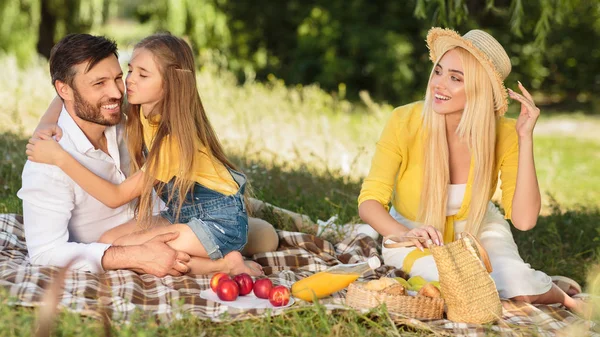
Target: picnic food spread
x: 332, y: 280
x: 399, y: 295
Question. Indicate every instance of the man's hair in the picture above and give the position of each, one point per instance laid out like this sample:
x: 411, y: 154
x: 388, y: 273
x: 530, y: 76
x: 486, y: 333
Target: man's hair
x: 75, y: 49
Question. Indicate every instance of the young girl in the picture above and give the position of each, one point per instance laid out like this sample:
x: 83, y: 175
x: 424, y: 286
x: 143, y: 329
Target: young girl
x: 438, y: 162
x: 175, y: 152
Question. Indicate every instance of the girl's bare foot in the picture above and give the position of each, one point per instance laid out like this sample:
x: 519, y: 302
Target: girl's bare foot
x: 236, y: 265
x: 254, y: 266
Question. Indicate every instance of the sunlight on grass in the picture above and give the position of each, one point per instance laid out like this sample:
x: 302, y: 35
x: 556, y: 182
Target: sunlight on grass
x: 568, y: 169
x: 305, y: 126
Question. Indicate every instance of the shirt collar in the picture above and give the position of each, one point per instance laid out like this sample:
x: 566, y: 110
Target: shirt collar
x: 68, y: 125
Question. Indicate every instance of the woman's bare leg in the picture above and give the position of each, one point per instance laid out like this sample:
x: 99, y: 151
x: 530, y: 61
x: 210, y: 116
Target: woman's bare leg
x: 554, y: 295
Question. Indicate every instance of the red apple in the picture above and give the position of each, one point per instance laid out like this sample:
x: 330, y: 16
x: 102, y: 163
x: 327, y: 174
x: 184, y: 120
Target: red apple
x: 228, y: 290
x: 279, y: 296
x: 218, y: 277
x: 262, y: 287
x: 245, y: 283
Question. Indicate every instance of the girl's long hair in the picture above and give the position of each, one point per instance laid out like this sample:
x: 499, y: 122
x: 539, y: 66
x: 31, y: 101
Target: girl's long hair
x: 477, y: 127
x: 182, y: 121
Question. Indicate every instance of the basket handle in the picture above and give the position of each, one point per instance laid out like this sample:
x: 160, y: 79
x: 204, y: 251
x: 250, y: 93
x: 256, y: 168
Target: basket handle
x: 482, y: 252
x: 396, y: 242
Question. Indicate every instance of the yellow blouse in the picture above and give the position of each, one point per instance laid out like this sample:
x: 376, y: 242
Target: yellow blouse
x: 397, y: 168
x: 207, y: 170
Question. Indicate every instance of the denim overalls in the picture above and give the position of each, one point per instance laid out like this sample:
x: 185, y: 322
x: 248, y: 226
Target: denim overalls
x: 219, y: 221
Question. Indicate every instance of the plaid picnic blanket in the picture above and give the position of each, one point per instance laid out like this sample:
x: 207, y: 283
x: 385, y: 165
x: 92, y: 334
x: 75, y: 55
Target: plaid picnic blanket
x: 123, y: 294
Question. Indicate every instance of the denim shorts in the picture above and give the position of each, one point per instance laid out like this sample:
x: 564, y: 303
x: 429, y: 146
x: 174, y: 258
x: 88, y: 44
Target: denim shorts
x: 219, y: 221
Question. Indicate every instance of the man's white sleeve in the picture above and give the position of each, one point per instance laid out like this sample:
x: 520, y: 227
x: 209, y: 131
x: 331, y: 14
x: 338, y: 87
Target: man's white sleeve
x: 48, y: 200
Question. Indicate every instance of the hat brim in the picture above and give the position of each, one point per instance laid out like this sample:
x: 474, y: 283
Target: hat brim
x: 440, y: 40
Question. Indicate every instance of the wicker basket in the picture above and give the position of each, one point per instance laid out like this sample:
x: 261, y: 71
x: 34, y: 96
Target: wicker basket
x: 468, y: 288
x: 420, y: 307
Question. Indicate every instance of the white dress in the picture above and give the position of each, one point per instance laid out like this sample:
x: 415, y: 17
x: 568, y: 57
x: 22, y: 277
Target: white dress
x: 513, y: 277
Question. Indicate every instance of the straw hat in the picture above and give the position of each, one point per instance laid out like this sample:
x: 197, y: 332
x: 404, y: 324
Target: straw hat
x: 486, y: 50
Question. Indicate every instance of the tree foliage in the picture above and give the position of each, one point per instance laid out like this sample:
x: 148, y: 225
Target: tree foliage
x: 344, y: 45
x: 35, y: 25
x: 18, y: 27
x: 376, y: 45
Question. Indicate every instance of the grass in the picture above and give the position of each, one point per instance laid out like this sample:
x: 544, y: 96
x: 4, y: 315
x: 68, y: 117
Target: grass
x: 568, y: 170
x: 564, y: 242
x: 12, y: 158
x: 306, y: 150
x: 305, y: 321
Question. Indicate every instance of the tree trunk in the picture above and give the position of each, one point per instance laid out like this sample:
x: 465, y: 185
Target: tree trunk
x: 46, y: 31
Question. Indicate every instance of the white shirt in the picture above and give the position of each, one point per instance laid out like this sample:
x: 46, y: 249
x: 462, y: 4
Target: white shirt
x: 63, y: 221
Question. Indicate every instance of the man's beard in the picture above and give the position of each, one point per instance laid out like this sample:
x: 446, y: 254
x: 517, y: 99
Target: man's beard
x: 93, y: 114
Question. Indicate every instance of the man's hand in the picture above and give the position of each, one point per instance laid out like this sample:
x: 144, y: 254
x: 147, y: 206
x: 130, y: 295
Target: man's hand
x: 152, y: 257
x: 160, y: 259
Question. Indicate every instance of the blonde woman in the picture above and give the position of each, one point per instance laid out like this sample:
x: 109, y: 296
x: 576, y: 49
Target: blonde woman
x: 438, y: 163
x: 175, y: 153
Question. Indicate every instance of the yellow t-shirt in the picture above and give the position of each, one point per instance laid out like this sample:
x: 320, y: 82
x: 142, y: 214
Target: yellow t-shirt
x: 207, y: 170
x: 397, y: 166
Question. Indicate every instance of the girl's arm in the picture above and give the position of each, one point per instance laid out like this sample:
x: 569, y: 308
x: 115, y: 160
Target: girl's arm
x: 48, y: 151
x: 526, y: 202
x: 47, y: 125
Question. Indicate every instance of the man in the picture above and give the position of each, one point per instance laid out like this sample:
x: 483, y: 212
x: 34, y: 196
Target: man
x: 61, y: 220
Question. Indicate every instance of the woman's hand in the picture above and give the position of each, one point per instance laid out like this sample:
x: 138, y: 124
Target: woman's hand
x: 529, y: 112
x: 45, y: 150
x: 48, y: 130
x: 424, y: 237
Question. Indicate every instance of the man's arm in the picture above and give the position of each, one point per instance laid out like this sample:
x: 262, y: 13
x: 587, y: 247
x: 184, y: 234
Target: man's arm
x: 153, y: 257
x: 47, y: 204
x: 48, y: 201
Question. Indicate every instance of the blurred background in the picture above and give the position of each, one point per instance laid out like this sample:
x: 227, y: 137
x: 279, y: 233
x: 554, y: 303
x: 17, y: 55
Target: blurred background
x: 309, y: 84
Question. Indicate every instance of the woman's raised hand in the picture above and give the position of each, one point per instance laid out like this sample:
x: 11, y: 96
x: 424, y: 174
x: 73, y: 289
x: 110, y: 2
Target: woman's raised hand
x: 424, y: 236
x: 529, y: 112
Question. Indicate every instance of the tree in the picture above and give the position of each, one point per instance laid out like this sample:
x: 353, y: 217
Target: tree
x: 378, y: 45
x: 35, y: 25
x: 18, y: 27
x: 344, y: 45
x: 61, y: 17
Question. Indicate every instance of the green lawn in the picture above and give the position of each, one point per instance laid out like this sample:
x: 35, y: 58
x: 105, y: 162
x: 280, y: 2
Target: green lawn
x: 564, y: 242
x: 569, y: 169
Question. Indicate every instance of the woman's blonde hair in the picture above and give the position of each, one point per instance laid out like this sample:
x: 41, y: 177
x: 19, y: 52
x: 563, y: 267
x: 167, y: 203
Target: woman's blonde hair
x: 477, y: 128
x: 182, y: 121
